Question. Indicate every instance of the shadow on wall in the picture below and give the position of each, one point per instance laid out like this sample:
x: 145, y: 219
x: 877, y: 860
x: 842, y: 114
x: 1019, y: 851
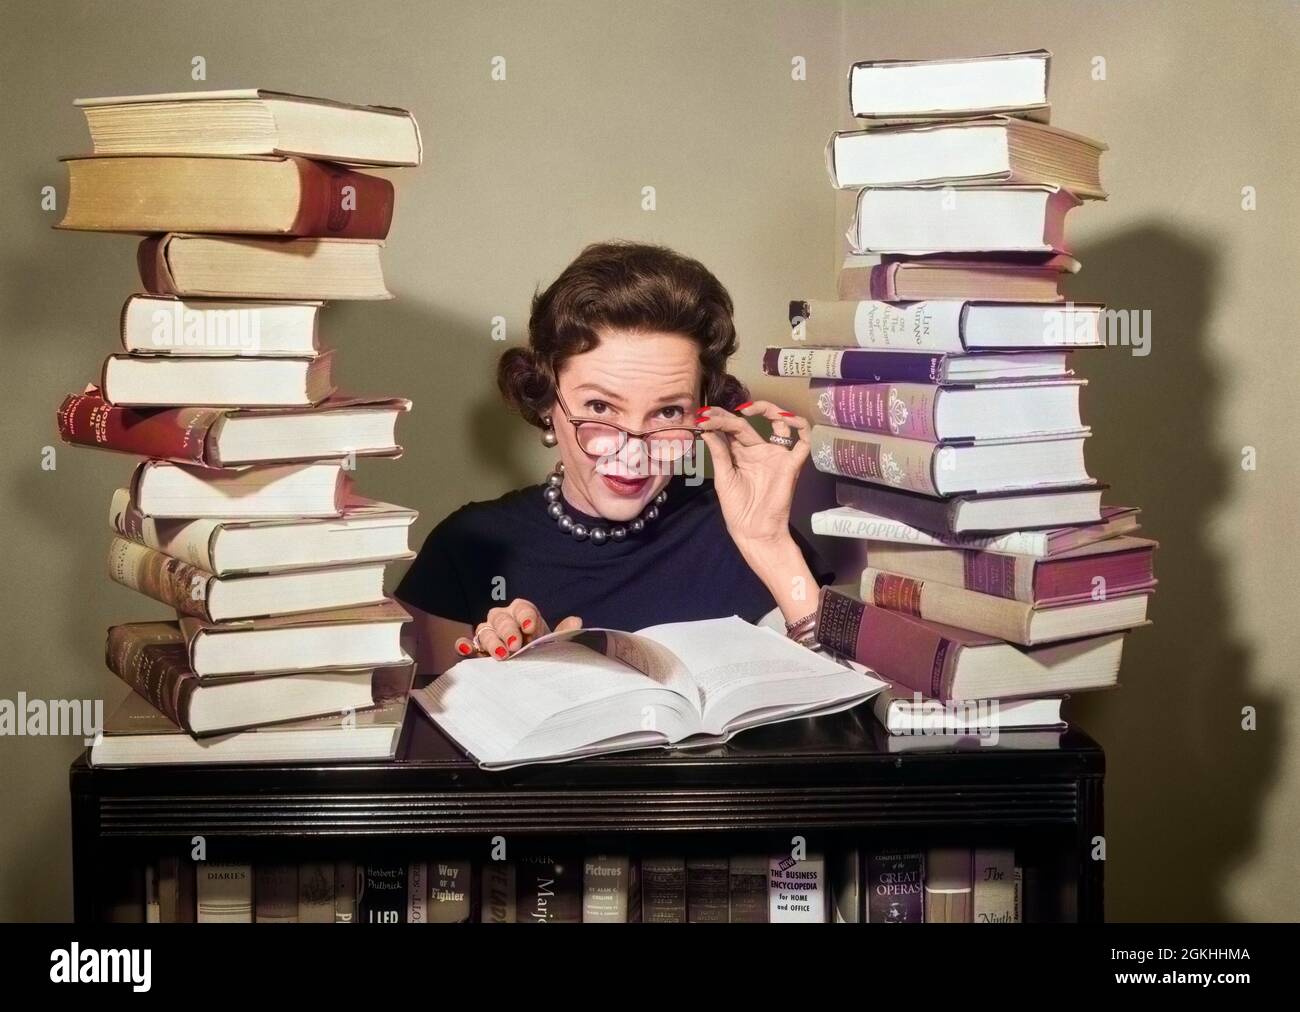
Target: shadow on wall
x: 1185, y: 782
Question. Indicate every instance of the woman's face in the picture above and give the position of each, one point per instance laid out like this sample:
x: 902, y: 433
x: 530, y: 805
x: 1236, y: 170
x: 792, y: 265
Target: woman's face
x: 639, y: 381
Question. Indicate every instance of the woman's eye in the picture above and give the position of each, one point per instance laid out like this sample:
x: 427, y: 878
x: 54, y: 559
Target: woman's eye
x: 672, y: 413
x: 597, y: 407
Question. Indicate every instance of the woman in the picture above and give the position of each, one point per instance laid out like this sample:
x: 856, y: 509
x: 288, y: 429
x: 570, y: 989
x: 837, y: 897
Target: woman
x: 624, y: 370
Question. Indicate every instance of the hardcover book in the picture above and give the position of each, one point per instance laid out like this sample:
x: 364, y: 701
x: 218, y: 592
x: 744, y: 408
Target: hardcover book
x: 994, y: 148
x: 450, y: 891
x: 233, y: 436
x: 944, y: 469
x: 365, y: 531
x: 747, y: 874
x: 894, y: 888
x: 224, y: 893
x: 167, y: 325
x: 947, y: 663
x: 663, y: 889
x: 848, y: 522
x: 606, y: 883
x: 797, y: 890
x: 275, y: 890
x: 897, y: 277
x: 232, y: 267
x: 949, y: 882
x: 597, y: 691
x: 497, y: 904
x: 946, y: 325
x: 266, y: 195
x: 1013, y: 83
x: 382, y: 899
x: 192, y: 591
x: 316, y: 892
x: 996, y: 892
x: 981, y: 513
x: 549, y: 891
x: 251, y: 121
x: 707, y: 890
x: 868, y: 365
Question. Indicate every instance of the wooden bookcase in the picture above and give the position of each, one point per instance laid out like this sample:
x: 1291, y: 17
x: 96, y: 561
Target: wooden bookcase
x: 834, y: 781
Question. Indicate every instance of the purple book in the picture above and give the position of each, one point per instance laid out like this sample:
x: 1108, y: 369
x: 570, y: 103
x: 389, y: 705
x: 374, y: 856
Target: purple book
x: 858, y: 364
x: 895, y: 888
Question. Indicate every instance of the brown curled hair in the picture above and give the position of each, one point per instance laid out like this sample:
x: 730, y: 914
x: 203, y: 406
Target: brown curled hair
x: 625, y: 286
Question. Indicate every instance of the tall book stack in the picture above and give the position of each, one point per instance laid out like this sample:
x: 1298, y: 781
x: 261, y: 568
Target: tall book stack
x: 943, y: 398
x: 242, y: 516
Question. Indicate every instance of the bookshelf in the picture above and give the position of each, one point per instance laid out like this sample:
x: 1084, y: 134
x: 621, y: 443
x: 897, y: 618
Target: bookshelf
x: 833, y: 780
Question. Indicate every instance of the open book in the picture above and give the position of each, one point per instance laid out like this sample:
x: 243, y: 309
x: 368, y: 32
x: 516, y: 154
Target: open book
x: 594, y: 691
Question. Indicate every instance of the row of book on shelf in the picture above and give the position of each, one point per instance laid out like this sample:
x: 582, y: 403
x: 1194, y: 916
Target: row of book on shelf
x: 242, y: 516
x: 938, y: 885
x: 944, y: 401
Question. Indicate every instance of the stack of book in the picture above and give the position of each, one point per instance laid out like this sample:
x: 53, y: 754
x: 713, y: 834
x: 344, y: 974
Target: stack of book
x: 941, y: 388
x: 242, y: 516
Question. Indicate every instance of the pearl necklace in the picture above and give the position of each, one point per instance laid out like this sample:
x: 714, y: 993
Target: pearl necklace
x: 598, y: 535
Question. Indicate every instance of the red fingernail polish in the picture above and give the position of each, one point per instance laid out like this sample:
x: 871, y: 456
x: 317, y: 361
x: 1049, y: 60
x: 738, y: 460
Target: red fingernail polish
x: 527, y: 624
x: 500, y: 651
x: 742, y: 407
x: 512, y: 641
x: 463, y: 648
x: 786, y: 414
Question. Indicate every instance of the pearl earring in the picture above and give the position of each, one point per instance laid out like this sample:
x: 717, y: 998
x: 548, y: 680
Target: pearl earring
x: 549, y: 438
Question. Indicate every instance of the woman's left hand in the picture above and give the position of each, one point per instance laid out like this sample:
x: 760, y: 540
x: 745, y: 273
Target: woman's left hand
x: 754, y: 479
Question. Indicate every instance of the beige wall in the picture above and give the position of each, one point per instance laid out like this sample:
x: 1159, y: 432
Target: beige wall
x: 696, y: 100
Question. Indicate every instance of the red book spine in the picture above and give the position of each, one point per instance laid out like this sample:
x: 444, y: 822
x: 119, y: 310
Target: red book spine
x: 341, y: 204
x: 179, y: 434
x: 157, y: 666
x: 900, y: 649
x: 989, y: 573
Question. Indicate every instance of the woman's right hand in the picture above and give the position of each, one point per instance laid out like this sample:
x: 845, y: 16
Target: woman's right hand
x: 506, y: 630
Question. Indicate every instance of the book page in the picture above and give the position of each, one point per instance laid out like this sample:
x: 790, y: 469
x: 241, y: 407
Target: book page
x: 650, y: 658
x: 747, y: 673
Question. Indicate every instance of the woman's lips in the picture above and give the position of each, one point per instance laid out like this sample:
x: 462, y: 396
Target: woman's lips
x: 624, y: 486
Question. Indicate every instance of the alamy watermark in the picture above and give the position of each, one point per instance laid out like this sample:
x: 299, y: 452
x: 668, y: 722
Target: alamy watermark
x: 73, y: 718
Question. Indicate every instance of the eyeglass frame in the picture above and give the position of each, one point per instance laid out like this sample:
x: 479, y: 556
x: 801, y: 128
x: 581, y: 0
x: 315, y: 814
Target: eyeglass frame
x: 695, y: 432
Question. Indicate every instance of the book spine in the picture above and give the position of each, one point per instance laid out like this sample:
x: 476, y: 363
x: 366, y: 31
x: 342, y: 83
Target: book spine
x: 747, y: 877
x: 151, y: 262
x: 707, y: 900
x: 955, y: 606
x: 498, y: 895
x: 894, y: 889
x: 171, y: 581
x: 797, y: 890
x: 860, y: 364
x: 316, y: 892
x: 908, y: 653
x: 190, y: 541
x: 345, y: 892
x: 417, y: 893
x: 450, y: 885
x: 663, y: 890
x: 338, y: 203
x: 275, y: 891
x: 382, y: 898
x: 897, y: 409
x: 921, y: 512
x: 224, y: 893
x: 179, y: 434
x: 549, y: 891
x: 991, y: 573
x: 995, y: 887
x: 160, y: 672
x: 933, y: 326
x: 884, y: 460
x: 605, y: 888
